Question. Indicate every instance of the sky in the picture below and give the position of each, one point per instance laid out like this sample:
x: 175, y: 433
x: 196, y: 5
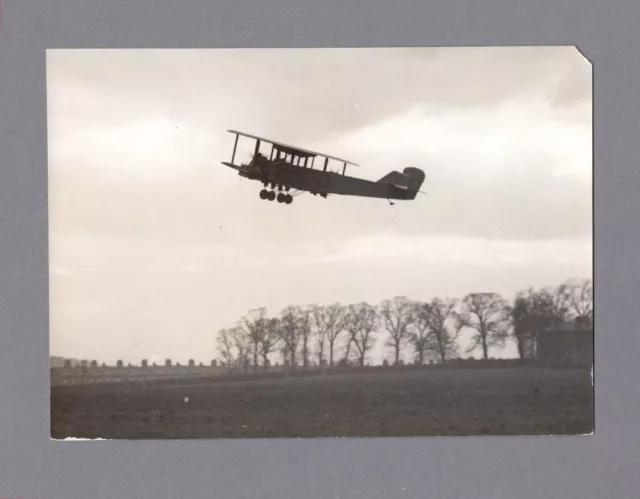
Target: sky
x: 155, y: 245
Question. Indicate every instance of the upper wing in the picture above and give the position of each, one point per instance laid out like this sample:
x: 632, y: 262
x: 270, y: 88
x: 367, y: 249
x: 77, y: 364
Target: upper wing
x: 292, y: 149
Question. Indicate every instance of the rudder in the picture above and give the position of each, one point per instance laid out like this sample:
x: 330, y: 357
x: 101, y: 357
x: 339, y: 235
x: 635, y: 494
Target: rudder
x: 416, y: 177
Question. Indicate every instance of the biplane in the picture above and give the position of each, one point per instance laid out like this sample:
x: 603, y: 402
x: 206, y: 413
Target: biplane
x: 288, y: 171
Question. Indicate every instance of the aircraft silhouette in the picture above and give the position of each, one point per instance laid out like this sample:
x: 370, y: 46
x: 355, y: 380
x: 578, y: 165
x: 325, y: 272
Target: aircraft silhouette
x: 291, y: 169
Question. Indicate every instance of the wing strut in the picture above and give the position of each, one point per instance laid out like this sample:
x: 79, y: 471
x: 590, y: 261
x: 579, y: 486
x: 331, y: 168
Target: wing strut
x: 235, y: 145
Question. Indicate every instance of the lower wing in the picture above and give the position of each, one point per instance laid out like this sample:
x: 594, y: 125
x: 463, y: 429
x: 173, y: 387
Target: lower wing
x: 231, y: 165
x: 247, y: 173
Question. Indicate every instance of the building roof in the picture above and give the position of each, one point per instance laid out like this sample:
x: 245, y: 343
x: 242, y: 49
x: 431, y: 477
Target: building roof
x: 569, y: 326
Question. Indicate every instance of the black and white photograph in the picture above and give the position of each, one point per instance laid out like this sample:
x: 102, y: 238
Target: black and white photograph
x: 326, y: 242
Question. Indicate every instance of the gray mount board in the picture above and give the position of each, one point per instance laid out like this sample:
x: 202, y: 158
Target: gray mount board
x: 31, y: 465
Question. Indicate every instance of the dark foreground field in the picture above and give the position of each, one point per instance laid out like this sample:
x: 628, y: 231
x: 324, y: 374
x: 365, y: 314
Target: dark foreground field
x: 521, y: 401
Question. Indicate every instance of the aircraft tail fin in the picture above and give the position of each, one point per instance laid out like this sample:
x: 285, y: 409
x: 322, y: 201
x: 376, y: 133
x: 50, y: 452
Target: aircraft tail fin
x: 410, y: 180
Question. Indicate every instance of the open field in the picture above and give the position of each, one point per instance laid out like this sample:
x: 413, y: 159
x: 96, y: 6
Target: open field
x: 513, y: 401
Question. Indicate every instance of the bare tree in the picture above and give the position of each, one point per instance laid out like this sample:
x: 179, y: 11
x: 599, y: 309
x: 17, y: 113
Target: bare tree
x: 226, y: 346
x: 305, y: 320
x: 362, y: 320
x: 532, y: 311
x: 242, y: 345
x: 269, y: 339
x: 351, y: 325
x: 579, y: 298
x: 557, y: 300
x: 443, y: 337
x: 319, y: 323
x: 396, y: 317
x: 329, y: 321
x: 523, y: 331
x: 254, y: 325
x: 419, y: 329
x: 290, y: 332
x: 487, y: 314
x: 351, y: 339
x: 283, y: 348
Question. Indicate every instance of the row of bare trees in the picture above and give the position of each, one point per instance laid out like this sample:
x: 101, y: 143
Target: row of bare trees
x: 305, y: 334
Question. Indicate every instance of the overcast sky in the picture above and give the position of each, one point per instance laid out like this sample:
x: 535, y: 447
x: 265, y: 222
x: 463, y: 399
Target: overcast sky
x: 155, y: 246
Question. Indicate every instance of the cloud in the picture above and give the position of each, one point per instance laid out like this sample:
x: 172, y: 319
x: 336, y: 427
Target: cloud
x: 489, y: 142
x: 330, y: 91
x: 385, y: 249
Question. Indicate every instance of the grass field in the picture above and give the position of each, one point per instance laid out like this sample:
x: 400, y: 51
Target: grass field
x: 518, y: 401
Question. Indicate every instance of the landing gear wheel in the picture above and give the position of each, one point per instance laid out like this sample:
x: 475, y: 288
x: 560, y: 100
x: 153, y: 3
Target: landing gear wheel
x: 281, y: 197
x: 288, y: 198
x: 264, y: 194
x: 271, y: 196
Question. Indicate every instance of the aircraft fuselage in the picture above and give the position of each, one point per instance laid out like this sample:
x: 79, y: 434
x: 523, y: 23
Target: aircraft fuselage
x: 319, y: 181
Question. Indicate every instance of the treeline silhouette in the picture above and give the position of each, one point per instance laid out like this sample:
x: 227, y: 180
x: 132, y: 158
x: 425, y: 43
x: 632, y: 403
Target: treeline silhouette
x: 429, y: 330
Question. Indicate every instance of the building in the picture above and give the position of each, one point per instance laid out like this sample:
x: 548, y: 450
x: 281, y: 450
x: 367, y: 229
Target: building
x: 566, y: 342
